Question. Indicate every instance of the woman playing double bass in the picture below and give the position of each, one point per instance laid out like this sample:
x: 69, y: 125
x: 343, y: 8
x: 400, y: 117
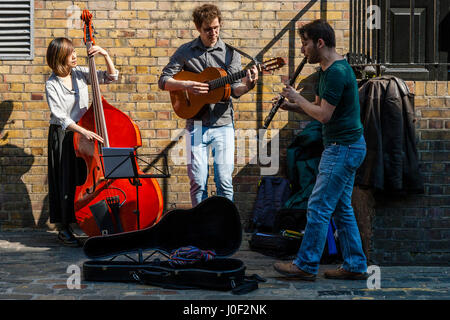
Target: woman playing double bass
x: 68, y: 100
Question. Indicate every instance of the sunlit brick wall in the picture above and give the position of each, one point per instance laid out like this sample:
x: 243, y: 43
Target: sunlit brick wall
x: 140, y: 37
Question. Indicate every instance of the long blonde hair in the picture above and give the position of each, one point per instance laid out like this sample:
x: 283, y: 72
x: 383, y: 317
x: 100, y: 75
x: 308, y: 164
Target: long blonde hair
x: 57, y: 52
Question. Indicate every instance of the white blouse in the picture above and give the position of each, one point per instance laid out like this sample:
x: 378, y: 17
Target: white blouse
x: 68, y: 106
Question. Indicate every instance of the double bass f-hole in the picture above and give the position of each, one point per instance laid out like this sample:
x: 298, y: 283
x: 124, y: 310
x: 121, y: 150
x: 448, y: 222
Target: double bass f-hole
x: 93, y: 179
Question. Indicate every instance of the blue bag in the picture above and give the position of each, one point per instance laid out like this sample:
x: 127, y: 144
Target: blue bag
x: 272, y: 194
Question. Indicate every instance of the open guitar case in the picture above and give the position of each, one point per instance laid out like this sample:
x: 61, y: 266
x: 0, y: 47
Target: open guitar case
x: 214, y: 224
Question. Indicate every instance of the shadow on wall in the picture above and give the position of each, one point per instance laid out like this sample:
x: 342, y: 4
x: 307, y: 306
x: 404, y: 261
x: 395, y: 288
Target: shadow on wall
x: 267, y: 157
x: 15, y: 203
x: 246, y: 180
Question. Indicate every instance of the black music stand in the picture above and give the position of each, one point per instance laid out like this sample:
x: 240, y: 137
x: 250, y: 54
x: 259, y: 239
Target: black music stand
x: 120, y: 163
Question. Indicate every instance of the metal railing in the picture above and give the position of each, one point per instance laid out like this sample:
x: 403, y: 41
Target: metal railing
x: 370, y: 34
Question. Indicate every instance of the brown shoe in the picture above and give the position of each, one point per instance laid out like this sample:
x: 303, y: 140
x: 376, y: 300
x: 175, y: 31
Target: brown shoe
x: 342, y: 274
x: 291, y: 270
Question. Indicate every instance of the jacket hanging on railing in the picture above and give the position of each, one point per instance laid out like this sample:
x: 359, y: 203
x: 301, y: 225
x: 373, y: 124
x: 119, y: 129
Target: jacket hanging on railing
x: 387, y: 114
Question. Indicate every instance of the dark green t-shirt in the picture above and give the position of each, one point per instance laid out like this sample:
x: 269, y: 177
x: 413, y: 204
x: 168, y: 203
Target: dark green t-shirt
x: 338, y: 86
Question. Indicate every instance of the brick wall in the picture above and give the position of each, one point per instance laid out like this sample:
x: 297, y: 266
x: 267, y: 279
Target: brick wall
x: 416, y: 229
x: 140, y: 36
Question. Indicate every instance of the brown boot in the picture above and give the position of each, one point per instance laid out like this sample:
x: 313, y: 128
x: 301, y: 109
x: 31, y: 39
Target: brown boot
x: 291, y: 270
x: 342, y: 274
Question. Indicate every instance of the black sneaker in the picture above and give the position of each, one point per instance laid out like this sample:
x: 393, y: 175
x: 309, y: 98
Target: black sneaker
x: 66, y: 237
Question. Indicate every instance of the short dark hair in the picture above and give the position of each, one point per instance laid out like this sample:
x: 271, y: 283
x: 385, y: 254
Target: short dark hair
x: 206, y: 13
x: 318, y: 29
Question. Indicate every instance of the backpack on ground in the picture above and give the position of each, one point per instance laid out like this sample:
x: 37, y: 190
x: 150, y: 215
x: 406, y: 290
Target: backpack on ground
x: 272, y: 194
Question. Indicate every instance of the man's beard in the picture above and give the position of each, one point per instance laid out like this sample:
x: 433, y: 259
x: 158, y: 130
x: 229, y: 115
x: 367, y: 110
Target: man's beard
x: 313, y: 57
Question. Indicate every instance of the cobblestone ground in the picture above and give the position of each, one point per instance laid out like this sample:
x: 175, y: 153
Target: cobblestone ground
x: 33, y: 266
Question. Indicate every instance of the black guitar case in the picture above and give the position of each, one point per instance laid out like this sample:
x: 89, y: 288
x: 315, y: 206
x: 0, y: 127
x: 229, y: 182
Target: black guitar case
x: 214, y: 224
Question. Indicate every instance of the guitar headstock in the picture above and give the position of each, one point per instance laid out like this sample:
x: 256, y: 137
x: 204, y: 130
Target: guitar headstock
x: 86, y: 16
x: 272, y: 64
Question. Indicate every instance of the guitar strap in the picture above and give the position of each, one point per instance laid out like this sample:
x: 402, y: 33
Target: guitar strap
x: 242, y: 53
x: 255, y: 61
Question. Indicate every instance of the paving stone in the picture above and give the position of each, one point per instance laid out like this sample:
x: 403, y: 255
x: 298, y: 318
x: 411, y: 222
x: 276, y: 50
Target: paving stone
x: 98, y: 297
x: 55, y: 297
x: 140, y: 297
x: 32, y: 289
x: 34, y: 265
x: 15, y: 296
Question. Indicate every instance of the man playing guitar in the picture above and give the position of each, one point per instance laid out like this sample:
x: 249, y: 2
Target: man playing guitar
x: 213, y: 125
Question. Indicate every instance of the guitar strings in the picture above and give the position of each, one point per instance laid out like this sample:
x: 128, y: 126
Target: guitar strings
x: 221, y: 82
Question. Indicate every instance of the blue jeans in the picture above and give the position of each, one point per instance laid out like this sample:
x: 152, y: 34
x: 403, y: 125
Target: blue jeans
x: 332, y: 193
x: 221, y: 142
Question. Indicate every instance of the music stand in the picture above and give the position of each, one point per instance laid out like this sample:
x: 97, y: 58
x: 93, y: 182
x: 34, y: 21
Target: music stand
x: 120, y: 163
x: 117, y: 163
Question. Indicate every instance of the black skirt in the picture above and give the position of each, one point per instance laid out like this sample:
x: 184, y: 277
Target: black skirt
x: 62, y: 175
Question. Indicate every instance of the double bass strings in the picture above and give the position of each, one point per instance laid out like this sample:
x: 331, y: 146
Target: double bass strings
x: 100, y: 125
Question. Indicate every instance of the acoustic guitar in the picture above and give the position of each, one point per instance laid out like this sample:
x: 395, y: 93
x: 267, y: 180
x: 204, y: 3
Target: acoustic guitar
x: 186, y: 105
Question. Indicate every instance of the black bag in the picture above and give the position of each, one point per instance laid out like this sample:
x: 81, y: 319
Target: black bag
x: 290, y: 219
x: 274, y: 244
x: 272, y: 194
x: 213, y: 225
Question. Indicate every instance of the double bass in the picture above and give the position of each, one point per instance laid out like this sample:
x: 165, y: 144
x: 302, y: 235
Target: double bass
x: 117, y: 130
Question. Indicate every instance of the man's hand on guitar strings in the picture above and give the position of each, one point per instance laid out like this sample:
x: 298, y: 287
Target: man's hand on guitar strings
x: 251, y: 77
x: 196, y: 87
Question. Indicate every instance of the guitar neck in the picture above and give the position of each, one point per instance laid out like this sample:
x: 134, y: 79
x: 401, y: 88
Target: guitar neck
x: 221, y: 82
